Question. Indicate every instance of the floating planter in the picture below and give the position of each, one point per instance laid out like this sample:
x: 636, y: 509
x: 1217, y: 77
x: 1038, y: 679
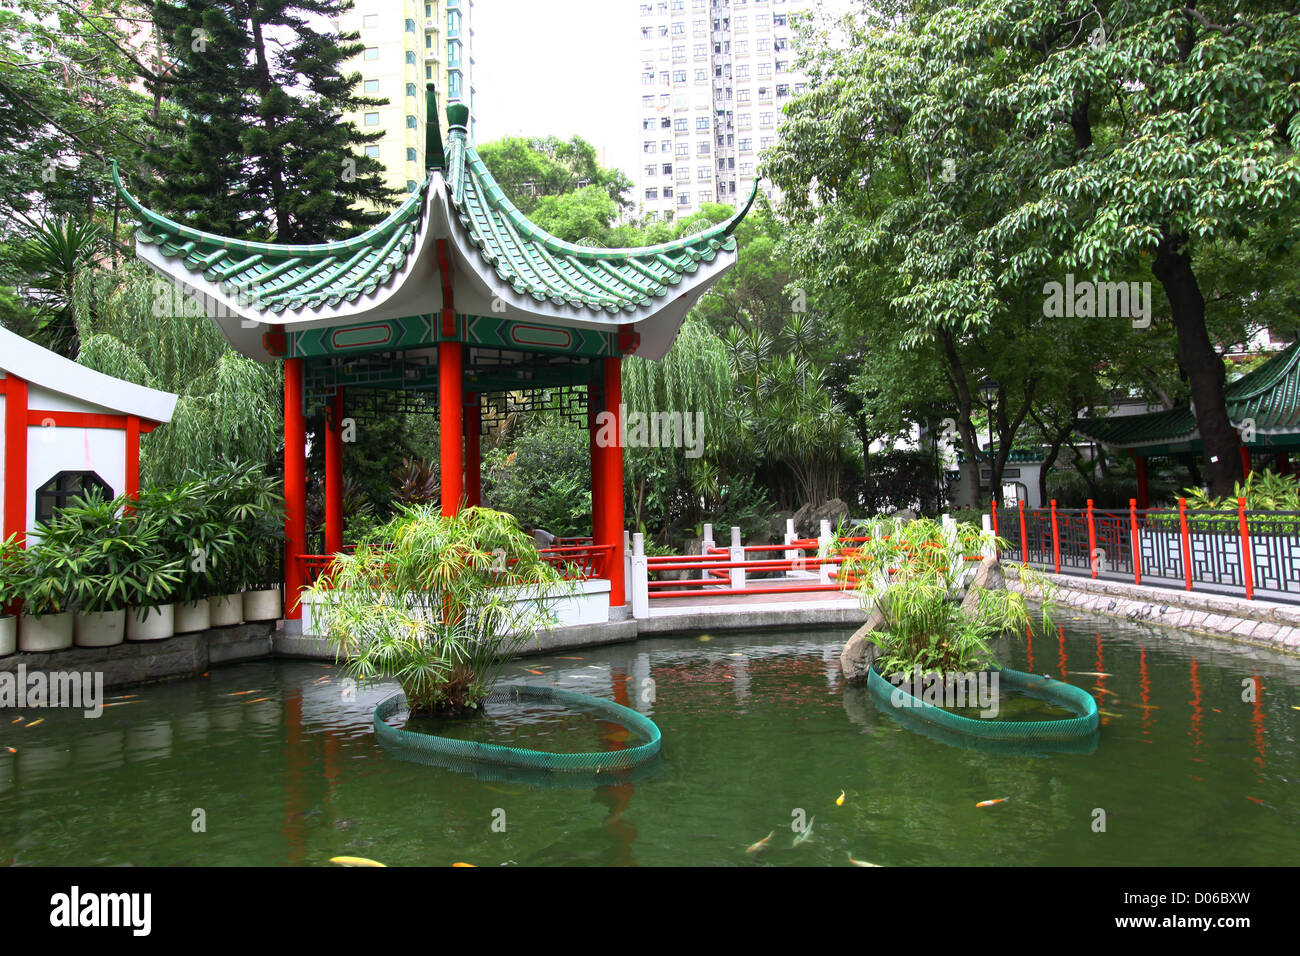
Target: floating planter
x: 262, y: 605
x: 417, y: 746
x: 226, y: 610
x: 49, y: 632
x: 1044, y: 688
x: 100, y: 628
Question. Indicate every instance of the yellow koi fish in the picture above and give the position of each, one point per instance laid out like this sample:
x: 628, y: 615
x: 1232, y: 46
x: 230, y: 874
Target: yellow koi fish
x: 861, y: 862
x: 989, y: 803
x: 38, y: 720
x: 471, y: 865
x: 839, y: 801
x: 355, y: 861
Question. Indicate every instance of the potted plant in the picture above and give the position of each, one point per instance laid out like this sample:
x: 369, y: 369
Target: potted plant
x: 437, y: 604
x: 184, y: 530
x: 47, y: 580
x: 10, y: 556
x: 252, y: 503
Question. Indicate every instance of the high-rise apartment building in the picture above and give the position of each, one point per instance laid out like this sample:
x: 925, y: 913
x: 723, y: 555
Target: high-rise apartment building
x: 714, y: 77
x: 409, y: 43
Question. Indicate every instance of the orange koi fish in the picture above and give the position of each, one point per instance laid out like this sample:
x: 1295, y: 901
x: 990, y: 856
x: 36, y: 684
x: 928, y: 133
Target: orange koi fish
x: 989, y: 803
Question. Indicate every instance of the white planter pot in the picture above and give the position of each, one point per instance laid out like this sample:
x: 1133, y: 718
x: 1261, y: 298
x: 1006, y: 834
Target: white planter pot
x: 226, y: 610
x: 101, y: 628
x: 262, y: 605
x: 51, y: 632
x: 193, y: 617
x: 8, y: 635
x: 148, y: 624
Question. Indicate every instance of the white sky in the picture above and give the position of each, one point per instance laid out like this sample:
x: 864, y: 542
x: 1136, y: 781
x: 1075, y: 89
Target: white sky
x: 563, y: 67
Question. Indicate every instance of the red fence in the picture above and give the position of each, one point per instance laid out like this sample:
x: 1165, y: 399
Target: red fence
x: 1228, y: 552
x: 580, y: 562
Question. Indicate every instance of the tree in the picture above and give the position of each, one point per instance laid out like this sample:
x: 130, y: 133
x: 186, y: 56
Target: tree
x: 529, y: 169
x: 263, y: 149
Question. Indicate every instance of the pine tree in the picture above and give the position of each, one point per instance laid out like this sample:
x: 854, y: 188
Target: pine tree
x: 264, y: 151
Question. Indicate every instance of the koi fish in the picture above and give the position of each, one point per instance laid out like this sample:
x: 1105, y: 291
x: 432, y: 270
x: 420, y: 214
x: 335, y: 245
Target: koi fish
x: 989, y: 803
x: 241, y: 693
x: 861, y: 862
x: 11, y: 750
x: 16, y: 720
x: 124, y: 696
x: 38, y: 720
x: 471, y: 865
x: 1256, y: 799
x: 805, y: 833
x: 531, y: 671
x: 355, y: 861
x: 1197, y: 779
x: 706, y: 637
x: 1107, y: 713
x: 1294, y: 707
x: 1091, y: 674
x: 258, y: 701
x: 839, y: 801
x: 761, y: 844
x: 570, y: 658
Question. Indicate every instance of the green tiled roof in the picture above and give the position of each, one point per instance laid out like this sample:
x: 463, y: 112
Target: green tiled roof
x: 275, y: 278
x: 1270, y: 395
x: 537, y: 264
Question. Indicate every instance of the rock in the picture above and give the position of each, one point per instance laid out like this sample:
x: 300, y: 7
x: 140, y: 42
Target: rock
x: 905, y: 514
x: 808, y: 519
x: 989, y: 577
x: 777, y: 528
x: 860, y: 651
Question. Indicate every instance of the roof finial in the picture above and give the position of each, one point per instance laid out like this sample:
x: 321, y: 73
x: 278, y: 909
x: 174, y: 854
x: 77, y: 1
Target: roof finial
x: 434, y: 157
x: 458, y: 119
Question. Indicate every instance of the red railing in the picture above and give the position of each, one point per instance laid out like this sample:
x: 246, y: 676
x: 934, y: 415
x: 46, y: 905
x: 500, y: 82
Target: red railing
x: 1229, y: 552
x: 574, y: 562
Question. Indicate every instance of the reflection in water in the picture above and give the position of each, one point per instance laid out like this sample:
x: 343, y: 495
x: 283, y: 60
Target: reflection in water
x: 754, y: 725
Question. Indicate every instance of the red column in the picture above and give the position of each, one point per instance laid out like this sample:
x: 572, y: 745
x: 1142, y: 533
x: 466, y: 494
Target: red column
x: 133, y: 456
x: 473, y: 463
x: 610, y: 486
x: 1186, y: 539
x: 1134, y: 540
x: 1092, y: 540
x: 450, y: 433
x: 1245, y: 462
x: 334, y: 474
x: 1144, y: 492
x: 1247, y: 571
x: 295, y: 489
x: 1056, y: 541
x: 15, y: 503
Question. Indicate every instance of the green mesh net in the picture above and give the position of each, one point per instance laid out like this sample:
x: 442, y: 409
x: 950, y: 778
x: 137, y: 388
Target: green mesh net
x: 456, y: 754
x: 1044, y: 688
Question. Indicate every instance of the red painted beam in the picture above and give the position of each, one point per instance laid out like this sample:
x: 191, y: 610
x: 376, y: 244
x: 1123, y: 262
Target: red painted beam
x: 133, y: 456
x: 450, y: 432
x: 610, y: 477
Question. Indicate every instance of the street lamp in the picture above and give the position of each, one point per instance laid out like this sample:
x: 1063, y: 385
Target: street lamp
x: 989, y: 392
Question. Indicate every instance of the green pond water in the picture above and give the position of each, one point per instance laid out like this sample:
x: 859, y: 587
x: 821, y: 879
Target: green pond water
x: 759, y: 732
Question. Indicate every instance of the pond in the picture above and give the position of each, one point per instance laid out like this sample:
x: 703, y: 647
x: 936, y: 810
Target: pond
x: 275, y: 763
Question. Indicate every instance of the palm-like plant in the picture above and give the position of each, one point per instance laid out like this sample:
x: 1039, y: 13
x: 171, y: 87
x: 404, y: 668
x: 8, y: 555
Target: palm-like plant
x: 437, y: 604
x: 51, y: 257
x: 913, y: 573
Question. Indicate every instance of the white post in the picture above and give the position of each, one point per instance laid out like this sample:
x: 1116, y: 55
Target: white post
x: 988, y: 550
x: 791, y: 555
x: 824, y: 552
x: 737, y: 554
x: 706, y: 545
x: 640, y: 579
x: 627, y: 555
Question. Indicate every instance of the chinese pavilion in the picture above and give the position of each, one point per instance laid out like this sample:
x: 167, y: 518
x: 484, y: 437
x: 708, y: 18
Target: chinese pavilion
x: 1263, y: 405
x: 453, y: 302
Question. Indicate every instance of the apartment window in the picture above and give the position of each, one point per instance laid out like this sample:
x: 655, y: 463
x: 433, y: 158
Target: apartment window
x: 680, y: 124
x: 410, y: 25
x: 453, y: 53
x: 780, y: 43
x: 372, y: 152
x: 668, y: 169
x: 668, y: 192
x: 648, y: 101
x: 683, y: 174
x: 706, y: 196
x: 679, y: 29
x: 410, y: 56
x: 679, y: 6
x: 702, y: 149
x: 663, y: 30
x: 648, y: 124
x: 679, y: 76
x: 742, y: 71
x: 651, y: 170
x: 652, y: 194
x: 701, y: 76
x: 746, y: 145
x: 428, y: 72
x: 679, y: 52
x: 766, y: 142
x: 747, y: 169
x: 783, y: 89
x: 649, y: 147
x: 702, y: 122
x: 410, y: 90
x: 742, y: 48
x: 700, y: 26
x: 778, y: 19
x: 704, y: 174
x: 683, y: 149
x: 741, y: 24
x: 412, y: 122
x: 742, y: 97
x: 371, y: 86
x: 647, y: 33
x: 765, y: 120
x: 684, y: 199
x: 647, y: 9
x: 665, y: 123
x: 783, y: 66
x: 410, y: 154
x: 665, y: 146
x: 453, y: 23
x: 454, y: 85
x: 372, y: 119
x: 701, y: 51
x: 372, y: 53
x: 765, y: 69
x: 744, y: 120
x: 370, y: 21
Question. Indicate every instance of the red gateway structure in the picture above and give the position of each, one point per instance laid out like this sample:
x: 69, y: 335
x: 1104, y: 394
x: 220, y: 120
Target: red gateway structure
x: 456, y: 305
